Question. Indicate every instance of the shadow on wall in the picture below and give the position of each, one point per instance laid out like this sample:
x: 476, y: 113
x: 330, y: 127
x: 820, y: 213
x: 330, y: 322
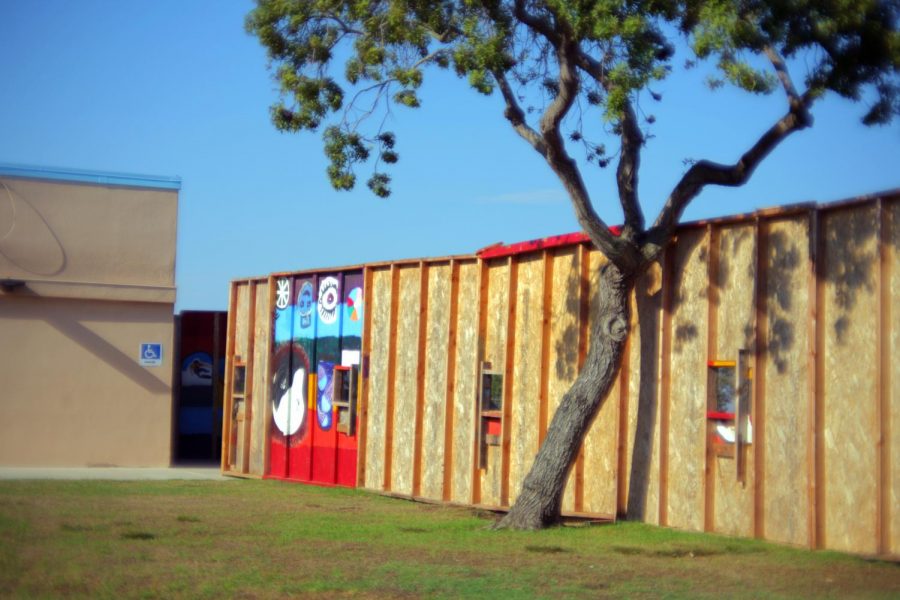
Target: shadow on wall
x: 26, y: 239
x: 63, y: 322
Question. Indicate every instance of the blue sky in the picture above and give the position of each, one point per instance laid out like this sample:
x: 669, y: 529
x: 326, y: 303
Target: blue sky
x: 178, y: 88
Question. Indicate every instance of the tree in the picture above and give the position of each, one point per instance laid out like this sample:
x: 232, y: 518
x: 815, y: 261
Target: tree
x: 551, y: 59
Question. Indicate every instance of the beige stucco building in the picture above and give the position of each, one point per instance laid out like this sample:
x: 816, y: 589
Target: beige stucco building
x: 87, y: 292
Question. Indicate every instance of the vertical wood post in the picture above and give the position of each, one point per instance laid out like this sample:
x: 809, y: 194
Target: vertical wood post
x: 270, y: 372
x: 665, y: 381
x: 449, y: 412
x: 362, y: 413
x: 228, y: 399
x: 761, y: 352
x: 249, y: 392
x: 422, y: 353
x: 479, y: 357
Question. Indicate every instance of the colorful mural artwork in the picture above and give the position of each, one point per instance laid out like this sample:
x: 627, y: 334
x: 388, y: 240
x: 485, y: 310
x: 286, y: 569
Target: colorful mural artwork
x: 317, y: 328
x: 326, y: 394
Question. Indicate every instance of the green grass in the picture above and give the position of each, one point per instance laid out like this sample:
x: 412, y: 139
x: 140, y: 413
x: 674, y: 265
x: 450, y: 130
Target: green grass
x: 271, y: 539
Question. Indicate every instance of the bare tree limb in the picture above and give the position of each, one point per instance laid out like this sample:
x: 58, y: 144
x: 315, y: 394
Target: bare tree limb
x: 516, y: 116
x: 627, y: 171
x: 706, y: 172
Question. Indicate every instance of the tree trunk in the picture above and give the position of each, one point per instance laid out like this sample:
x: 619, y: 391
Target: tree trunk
x: 540, y: 502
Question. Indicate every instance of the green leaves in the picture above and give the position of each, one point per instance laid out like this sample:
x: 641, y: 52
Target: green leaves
x: 617, y: 48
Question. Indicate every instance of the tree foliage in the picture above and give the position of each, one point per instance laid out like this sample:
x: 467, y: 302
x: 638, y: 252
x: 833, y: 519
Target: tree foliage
x: 341, y: 64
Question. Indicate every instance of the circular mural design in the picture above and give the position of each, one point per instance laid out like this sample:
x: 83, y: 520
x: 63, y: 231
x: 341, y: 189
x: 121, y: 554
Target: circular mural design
x: 329, y: 297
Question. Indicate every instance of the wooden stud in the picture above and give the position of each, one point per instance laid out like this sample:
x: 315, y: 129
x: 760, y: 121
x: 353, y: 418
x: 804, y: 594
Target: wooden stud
x: 362, y: 413
x: 248, y: 380
x: 584, y: 327
x: 483, y: 281
x: 420, y: 378
x: 270, y: 372
x: 545, y: 346
x: 712, y: 334
x: 391, y: 377
x: 447, y: 490
x: 665, y: 381
x: 508, y: 373
x: 761, y: 345
x: 883, y: 383
x: 228, y: 399
x: 622, y: 434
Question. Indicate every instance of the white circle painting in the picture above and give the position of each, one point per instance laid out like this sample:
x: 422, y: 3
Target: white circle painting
x: 329, y: 298
x: 290, y: 410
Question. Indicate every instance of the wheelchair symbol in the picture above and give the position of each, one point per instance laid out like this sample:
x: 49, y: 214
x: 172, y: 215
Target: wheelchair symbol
x: 151, y: 355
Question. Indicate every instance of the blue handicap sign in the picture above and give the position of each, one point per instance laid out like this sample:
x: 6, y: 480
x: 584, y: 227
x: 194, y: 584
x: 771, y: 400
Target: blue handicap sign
x: 150, y: 355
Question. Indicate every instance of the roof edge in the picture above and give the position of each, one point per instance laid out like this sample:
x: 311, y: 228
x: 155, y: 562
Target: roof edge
x: 86, y: 176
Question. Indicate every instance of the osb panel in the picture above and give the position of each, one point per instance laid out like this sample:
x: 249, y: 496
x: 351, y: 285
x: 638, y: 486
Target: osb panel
x: 564, y: 308
x: 433, y: 426
x: 241, y: 322
x: 643, y: 399
x: 687, y: 400
x: 406, y: 380
x: 466, y: 376
x: 262, y: 334
x: 380, y: 314
x: 495, y: 353
x: 787, y: 367
x: 526, y: 381
x: 238, y: 426
x: 600, y: 458
x: 851, y: 269
x: 893, y: 361
x: 736, y: 286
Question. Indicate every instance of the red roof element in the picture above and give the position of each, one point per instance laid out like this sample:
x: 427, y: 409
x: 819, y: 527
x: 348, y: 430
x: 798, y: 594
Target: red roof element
x: 498, y: 250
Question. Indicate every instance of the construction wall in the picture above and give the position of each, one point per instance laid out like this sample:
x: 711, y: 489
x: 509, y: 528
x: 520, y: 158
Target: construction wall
x: 809, y: 294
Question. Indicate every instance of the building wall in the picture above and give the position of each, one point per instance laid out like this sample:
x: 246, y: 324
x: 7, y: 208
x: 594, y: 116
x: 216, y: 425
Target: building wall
x: 90, y: 272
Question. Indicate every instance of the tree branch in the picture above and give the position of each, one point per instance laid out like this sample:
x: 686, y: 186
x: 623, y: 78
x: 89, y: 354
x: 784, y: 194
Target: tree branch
x: 516, y: 116
x: 706, y: 172
x: 627, y: 172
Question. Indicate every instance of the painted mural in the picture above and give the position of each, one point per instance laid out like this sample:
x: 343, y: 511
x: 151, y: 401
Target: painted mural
x: 317, y: 325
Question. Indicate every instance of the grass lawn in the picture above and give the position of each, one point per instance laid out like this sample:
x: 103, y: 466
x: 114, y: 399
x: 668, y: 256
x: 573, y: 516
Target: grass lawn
x: 271, y: 539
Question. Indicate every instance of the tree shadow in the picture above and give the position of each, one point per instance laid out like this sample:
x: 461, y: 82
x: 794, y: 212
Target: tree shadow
x: 783, y: 258
x: 648, y: 296
x: 567, y: 343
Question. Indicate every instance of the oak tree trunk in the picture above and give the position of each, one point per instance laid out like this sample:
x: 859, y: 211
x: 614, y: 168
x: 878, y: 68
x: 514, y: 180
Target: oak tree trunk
x: 540, y: 501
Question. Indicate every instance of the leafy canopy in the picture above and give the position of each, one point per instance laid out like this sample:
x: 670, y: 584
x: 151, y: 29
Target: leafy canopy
x: 544, y: 57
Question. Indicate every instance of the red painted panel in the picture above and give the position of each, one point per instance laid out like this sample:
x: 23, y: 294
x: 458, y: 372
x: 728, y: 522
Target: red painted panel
x: 567, y: 239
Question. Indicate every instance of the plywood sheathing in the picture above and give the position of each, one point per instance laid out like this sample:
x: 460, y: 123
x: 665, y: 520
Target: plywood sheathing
x: 405, y: 381
x: 497, y: 314
x: 435, y: 382
x: 687, y: 416
x: 241, y: 333
x: 642, y: 448
x: 598, y: 487
x: 736, y: 307
x: 851, y: 371
x: 526, y: 380
x: 890, y: 362
x: 564, y: 337
x: 376, y: 398
x: 259, y: 421
x: 467, y: 343
x: 787, y: 377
